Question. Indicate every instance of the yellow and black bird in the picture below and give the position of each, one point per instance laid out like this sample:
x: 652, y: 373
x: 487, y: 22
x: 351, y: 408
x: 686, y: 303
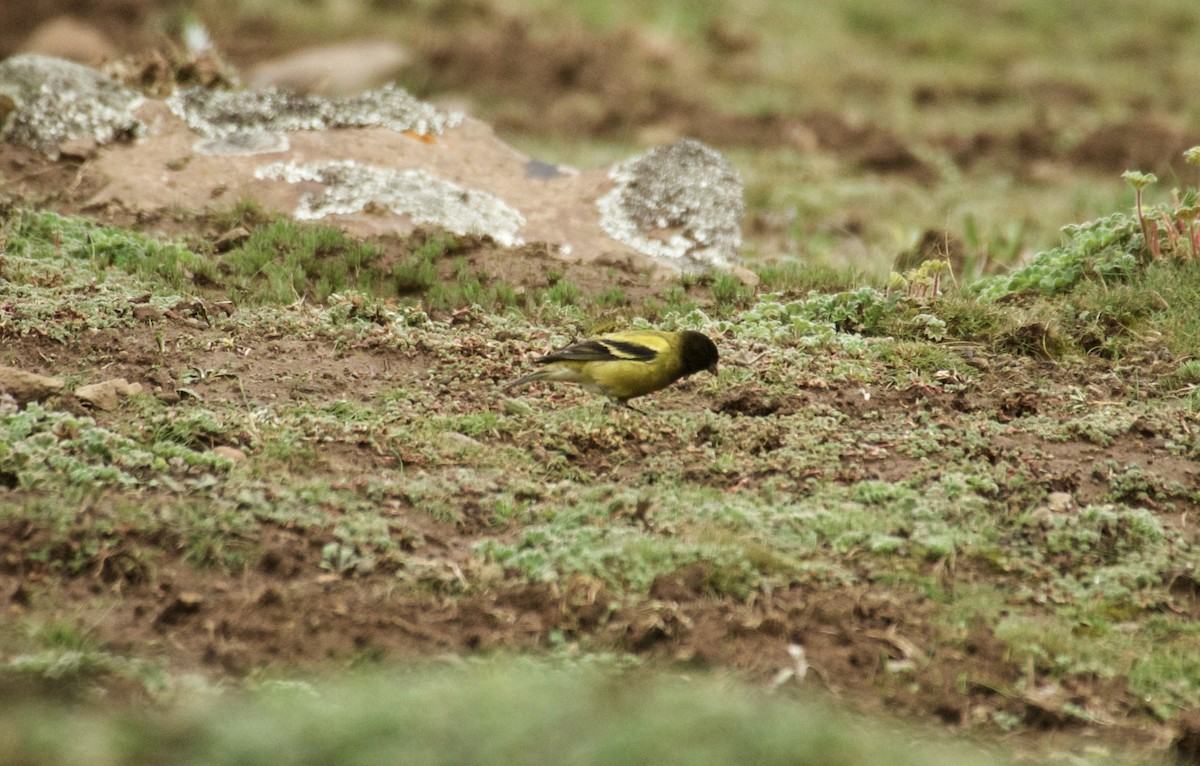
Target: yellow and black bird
x: 625, y: 365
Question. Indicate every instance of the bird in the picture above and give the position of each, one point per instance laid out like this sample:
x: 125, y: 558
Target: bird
x: 626, y: 365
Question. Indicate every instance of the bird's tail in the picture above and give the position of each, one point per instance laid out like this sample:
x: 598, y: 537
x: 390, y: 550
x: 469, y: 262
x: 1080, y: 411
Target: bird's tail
x: 526, y: 379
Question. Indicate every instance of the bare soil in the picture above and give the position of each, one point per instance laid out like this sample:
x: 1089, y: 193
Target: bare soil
x: 284, y: 610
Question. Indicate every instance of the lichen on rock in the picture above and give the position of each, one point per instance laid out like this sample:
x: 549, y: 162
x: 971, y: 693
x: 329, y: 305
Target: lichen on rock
x: 350, y: 187
x: 54, y: 101
x: 680, y: 204
x: 220, y: 113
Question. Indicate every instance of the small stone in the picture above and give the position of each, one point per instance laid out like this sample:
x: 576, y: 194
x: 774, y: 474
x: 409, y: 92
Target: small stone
x: 67, y: 37
x: 217, y: 113
x: 1060, y: 502
x: 107, y: 394
x: 745, y: 276
x: 333, y: 70
x: 232, y: 454
x: 27, y: 387
x: 231, y: 239
x: 78, y: 148
x: 168, y: 396
x: 1042, y: 515
x: 454, y: 442
x: 191, y: 600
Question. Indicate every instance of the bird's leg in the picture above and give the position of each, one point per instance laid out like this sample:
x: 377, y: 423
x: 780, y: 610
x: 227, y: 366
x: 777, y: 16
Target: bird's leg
x: 626, y: 405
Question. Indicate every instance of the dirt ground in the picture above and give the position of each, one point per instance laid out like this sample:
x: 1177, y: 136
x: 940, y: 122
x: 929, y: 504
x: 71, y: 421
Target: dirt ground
x: 285, y: 609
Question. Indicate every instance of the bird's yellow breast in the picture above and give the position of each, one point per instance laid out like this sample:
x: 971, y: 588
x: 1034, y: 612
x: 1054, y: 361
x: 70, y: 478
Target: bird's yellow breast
x: 625, y: 379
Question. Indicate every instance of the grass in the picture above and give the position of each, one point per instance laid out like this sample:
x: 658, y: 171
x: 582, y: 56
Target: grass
x: 573, y: 493
x: 281, y: 262
x: 284, y: 261
x: 481, y: 714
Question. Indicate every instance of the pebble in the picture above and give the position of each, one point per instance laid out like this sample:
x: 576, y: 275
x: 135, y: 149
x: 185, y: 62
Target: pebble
x: 69, y: 38
x: 107, y: 394
x: 333, y: 70
x: 232, y: 454
x: 25, y: 386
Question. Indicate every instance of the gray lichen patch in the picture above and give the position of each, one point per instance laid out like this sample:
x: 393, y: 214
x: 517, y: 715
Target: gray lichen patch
x: 350, y: 187
x: 218, y: 114
x: 681, y: 205
x: 55, y: 101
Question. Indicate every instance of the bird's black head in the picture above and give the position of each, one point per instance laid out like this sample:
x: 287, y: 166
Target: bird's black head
x: 699, y: 353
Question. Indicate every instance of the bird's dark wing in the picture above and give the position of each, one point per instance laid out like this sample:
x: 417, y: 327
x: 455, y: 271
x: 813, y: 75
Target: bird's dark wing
x: 602, y: 350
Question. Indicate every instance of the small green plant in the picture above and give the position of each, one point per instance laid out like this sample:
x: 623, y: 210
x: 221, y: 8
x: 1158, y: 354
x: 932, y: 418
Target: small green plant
x: 858, y: 310
x: 1140, y: 181
x: 247, y: 212
x: 924, y: 281
x: 920, y: 360
x: 1184, y: 379
x: 220, y: 538
x: 613, y: 296
x: 1173, y: 225
x: 284, y: 262
x: 106, y: 247
x: 1108, y: 249
x: 414, y: 274
x: 798, y: 277
x: 1169, y: 230
x: 564, y: 292
x: 419, y: 270
x: 342, y: 559
x: 554, y: 275
x: 1101, y: 249
x: 728, y: 290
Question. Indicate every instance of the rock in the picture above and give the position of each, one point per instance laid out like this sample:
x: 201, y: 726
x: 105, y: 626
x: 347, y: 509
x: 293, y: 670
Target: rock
x: 1060, y: 502
x: 69, y: 38
x: 680, y: 204
x: 231, y: 239
x: 79, y: 148
x: 107, y: 394
x: 55, y: 101
x: 378, y: 163
x: 232, y: 454
x: 745, y: 276
x: 27, y: 387
x: 454, y: 443
x: 333, y: 70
